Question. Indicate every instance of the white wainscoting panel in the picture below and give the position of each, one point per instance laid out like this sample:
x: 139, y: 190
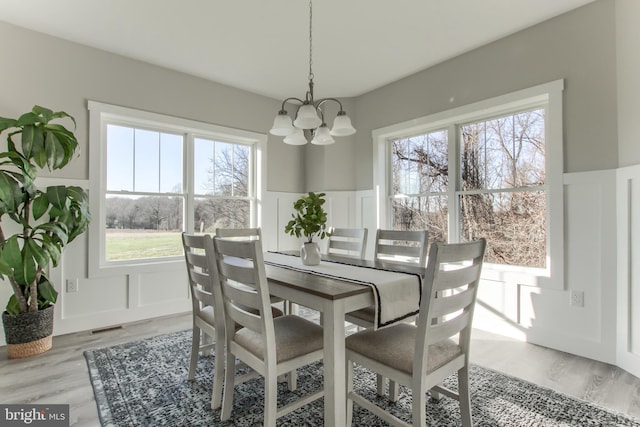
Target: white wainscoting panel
x: 274, y: 222
x: 340, y: 207
x: 545, y: 316
x: 498, y: 309
x: 159, y: 288
x: 538, y: 315
x: 103, y: 295
x: 367, y: 217
x: 628, y: 305
x: 590, y: 259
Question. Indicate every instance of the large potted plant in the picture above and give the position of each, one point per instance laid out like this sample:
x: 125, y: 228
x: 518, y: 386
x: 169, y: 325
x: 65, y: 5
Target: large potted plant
x: 309, y: 220
x: 35, y: 224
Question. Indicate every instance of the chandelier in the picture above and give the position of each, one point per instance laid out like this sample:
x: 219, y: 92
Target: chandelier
x: 309, y: 122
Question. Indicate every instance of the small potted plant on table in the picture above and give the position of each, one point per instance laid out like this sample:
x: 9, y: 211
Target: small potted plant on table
x: 309, y: 220
x: 35, y: 224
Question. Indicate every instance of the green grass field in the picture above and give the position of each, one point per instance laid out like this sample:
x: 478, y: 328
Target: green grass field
x: 140, y: 244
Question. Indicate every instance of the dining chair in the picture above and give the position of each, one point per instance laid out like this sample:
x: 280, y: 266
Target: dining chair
x: 240, y: 233
x: 393, y: 246
x: 207, y: 308
x: 347, y: 242
x: 271, y: 347
x: 421, y: 356
x: 254, y: 233
x: 401, y: 246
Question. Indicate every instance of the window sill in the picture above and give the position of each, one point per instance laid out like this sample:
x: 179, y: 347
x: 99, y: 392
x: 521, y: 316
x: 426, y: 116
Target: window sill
x: 527, y: 276
x: 136, y: 267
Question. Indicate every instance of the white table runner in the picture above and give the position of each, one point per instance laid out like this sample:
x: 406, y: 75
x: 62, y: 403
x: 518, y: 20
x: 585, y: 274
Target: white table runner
x: 396, y: 294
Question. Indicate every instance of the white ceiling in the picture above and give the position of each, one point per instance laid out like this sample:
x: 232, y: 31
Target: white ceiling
x: 262, y: 45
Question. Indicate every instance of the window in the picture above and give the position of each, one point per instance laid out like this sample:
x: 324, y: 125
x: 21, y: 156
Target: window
x: 503, y: 191
x: 157, y: 176
x: 222, y: 186
x: 144, y: 196
x: 491, y: 169
x: 420, y: 182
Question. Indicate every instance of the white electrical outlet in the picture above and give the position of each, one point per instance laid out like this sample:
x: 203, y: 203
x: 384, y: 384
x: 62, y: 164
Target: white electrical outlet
x: 72, y: 285
x: 577, y: 298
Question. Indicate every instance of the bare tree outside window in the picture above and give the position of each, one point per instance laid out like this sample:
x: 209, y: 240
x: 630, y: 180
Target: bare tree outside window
x: 420, y: 180
x: 145, y: 199
x: 224, y: 188
x: 502, y: 192
x: 507, y: 154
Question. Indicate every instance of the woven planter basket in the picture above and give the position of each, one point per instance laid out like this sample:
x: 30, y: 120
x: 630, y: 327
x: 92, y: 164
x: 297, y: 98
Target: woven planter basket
x: 28, y: 334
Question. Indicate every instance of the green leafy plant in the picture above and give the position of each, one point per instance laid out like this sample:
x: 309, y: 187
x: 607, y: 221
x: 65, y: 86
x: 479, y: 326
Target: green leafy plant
x: 46, y: 220
x: 310, y: 218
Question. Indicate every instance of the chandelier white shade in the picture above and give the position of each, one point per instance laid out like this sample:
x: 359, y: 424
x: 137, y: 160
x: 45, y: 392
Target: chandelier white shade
x: 295, y: 138
x: 282, y: 125
x: 308, y: 121
x: 342, y: 125
x: 322, y: 136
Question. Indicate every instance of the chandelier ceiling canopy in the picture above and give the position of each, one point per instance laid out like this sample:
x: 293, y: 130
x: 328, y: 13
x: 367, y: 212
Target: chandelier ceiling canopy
x: 309, y: 121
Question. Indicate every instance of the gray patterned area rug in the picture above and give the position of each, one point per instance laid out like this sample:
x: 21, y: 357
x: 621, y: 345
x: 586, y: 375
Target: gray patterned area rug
x: 144, y: 383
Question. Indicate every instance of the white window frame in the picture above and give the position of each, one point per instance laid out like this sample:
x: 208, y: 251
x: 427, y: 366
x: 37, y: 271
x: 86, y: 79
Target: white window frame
x: 101, y: 114
x: 547, y: 96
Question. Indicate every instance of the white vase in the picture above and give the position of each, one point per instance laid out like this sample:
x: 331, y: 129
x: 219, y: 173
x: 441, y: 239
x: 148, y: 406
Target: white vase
x: 310, y: 253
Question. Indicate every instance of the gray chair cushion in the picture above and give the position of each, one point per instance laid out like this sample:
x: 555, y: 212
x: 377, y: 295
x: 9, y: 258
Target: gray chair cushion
x: 295, y: 337
x: 395, y: 347
x: 206, y: 314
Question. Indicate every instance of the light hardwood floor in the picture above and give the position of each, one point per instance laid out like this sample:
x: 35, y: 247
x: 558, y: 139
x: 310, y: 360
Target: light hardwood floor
x: 61, y: 376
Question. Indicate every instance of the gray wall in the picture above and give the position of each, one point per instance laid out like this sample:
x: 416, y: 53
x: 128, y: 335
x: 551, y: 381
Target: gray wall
x: 579, y: 46
x: 332, y: 167
x: 628, y: 56
x: 39, y: 69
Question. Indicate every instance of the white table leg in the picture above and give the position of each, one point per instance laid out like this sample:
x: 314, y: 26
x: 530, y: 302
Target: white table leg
x: 334, y: 365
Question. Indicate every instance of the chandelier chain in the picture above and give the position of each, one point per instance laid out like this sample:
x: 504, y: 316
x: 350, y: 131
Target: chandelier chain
x: 310, y: 40
x: 308, y: 124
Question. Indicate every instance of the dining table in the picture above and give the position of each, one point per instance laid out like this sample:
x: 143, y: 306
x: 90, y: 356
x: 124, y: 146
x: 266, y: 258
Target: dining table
x: 332, y: 296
